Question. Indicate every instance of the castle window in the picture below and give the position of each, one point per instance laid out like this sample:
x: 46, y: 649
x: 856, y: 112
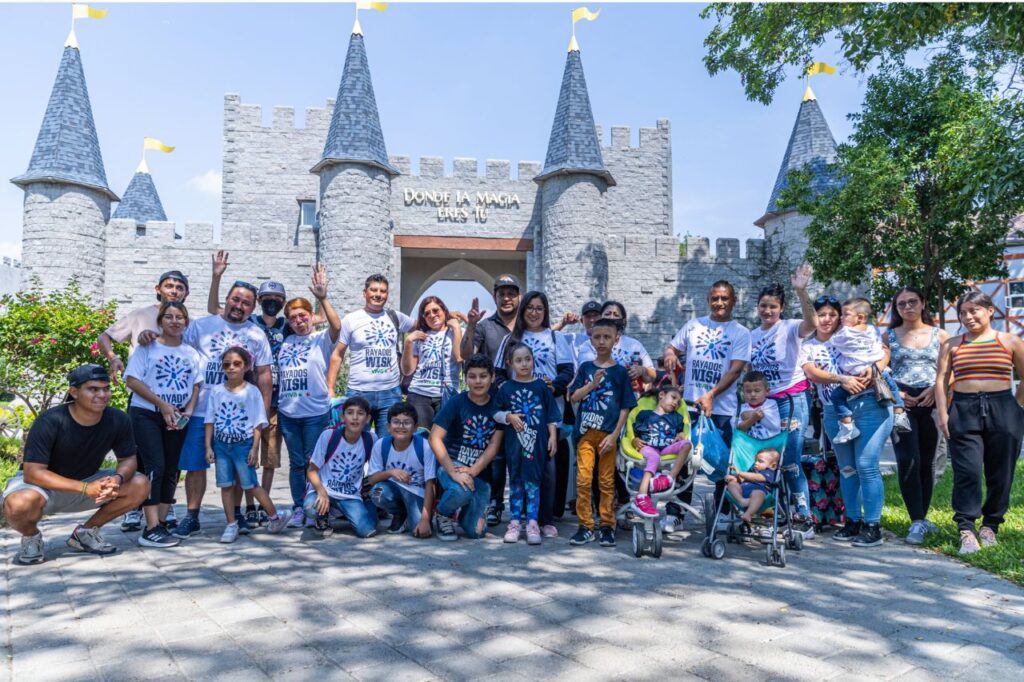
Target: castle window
x: 1016, y: 298
x: 307, y: 213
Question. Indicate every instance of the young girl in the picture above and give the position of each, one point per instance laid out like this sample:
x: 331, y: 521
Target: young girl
x: 659, y: 432
x: 235, y: 416
x: 527, y: 405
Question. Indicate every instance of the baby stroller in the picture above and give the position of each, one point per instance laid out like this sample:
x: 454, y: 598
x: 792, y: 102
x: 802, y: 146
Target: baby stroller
x: 717, y: 463
x: 647, y: 533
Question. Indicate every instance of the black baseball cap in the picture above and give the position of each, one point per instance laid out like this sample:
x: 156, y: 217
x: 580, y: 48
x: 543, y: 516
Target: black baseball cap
x: 174, y: 274
x: 506, y: 281
x: 591, y: 307
x: 84, y: 373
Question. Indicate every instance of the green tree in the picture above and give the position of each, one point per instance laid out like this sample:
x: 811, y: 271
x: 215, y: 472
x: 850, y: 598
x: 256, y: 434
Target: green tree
x: 932, y: 177
x: 763, y: 42
x: 43, y: 336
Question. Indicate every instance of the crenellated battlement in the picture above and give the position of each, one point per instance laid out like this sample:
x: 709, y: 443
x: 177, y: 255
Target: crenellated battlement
x: 466, y: 168
x: 622, y: 137
x: 237, y: 236
x: 239, y: 116
x: 11, y: 262
x: 662, y: 249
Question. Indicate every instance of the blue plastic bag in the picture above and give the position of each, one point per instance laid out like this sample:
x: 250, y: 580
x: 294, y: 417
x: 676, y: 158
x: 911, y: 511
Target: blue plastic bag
x: 714, y: 451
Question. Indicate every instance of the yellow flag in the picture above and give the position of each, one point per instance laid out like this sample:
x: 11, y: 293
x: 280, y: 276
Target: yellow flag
x: 379, y: 6
x: 155, y: 144
x: 79, y: 11
x: 584, y: 13
x: 820, y: 67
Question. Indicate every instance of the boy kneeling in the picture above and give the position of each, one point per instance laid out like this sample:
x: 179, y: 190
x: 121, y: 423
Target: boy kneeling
x: 402, y: 472
x: 465, y: 439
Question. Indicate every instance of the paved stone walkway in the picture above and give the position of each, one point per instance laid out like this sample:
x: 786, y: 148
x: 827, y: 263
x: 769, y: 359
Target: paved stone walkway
x: 395, y: 608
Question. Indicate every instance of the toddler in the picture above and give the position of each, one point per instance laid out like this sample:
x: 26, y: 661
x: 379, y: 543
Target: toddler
x: 759, y: 417
x: 859, y: 348
x: 659, y: 432
x: 750, y: 487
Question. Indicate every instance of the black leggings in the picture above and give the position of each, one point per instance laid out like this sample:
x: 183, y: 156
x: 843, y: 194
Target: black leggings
x: 159, y: 451
x: 915, y: 458
x: 554, y: 484
x: 425, y: 406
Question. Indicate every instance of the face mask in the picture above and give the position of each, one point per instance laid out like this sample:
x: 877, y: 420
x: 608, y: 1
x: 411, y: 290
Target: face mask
x: 271, y: 307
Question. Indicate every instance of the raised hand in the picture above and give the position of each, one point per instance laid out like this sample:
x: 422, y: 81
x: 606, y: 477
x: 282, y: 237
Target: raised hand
x: 474, y: 315
x: 318, y: 283
x: 456, y: 315
x: 220, y: 263
x: 802, y: 277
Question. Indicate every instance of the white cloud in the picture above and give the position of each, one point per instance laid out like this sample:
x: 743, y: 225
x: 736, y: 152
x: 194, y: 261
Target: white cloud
x: 10, y: 249
x: 207, y: 183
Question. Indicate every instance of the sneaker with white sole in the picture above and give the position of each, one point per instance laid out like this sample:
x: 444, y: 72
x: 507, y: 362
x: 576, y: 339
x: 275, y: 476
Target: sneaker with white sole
x: 929, y: 526
x: 132, y: 521
x: 915, y: 536
x: 532, y: 533
x: 230, y: 533
x: 158, y: 537
x: 968, y: 543
x: 549, y: 531
x: 444, y: 528
x: 187, y: 526
x: 847, y: 432
x: 513, y: 531
x: 642, y: 506
x: 298, y: 519
x: 89, y: 540
x: 279, y: 521
x: 901, y: 423
x: 987, y: 537
x: 670, y: 523
x: 31, y: 551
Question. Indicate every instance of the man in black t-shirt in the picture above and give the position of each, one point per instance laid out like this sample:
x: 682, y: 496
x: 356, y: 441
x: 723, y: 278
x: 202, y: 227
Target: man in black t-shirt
x: 61, y: 472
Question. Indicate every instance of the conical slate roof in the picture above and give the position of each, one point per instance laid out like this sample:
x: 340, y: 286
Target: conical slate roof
x: 355, y: 134
x: 141, y: 202
x: 811, y: 145
x: 573, y: 146
x: 67, y: 149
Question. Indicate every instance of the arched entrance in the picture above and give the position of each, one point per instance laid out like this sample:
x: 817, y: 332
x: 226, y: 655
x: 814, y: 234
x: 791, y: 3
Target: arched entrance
x: 426, y: 260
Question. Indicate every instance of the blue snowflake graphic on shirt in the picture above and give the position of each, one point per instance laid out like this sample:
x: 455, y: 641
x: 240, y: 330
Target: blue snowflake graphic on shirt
x: 712, y: 343
x: 232, y: 422
x: 346, y: 474
x: 763, y: 354
x: 622, y: 357
x: 415, y: 473
x: 543, y: 357
x: 223, y: 340
x: 477, y: 431
x: 295, y: 354
x: 434, y: 349
x: 525, y: 402
x: 660, y: 434
x: 173, y: 373
x: 380, y: 334
x: 600, y: 398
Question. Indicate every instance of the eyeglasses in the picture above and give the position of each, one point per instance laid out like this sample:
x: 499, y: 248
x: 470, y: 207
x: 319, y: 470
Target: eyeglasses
x: 433, y: 311
x: 826, y: 299
x: 402, y: 423
x: 245, y: 285
x: 908, y: 303
x: 534, y: 309
x: 232, y: 363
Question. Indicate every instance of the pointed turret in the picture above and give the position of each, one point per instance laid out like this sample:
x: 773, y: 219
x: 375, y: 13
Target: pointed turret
x: 573, y: 146
x: 67, y: 200
x: 355, y: 185
x: 574, y: 183
x: 812, y: 146
x: 141, y: 202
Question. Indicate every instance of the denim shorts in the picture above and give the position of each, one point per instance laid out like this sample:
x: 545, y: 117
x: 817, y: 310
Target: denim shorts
x: 193, y: 452
x: 233, y: 462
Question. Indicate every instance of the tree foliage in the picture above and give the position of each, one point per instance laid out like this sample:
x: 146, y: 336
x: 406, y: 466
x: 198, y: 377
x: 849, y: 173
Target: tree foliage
x: 763, y: 42
x: 43, y: 336
x: 932, y: 177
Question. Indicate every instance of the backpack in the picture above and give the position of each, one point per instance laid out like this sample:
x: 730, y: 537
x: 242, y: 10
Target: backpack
x: 385, y: 449
x: 335, y: 440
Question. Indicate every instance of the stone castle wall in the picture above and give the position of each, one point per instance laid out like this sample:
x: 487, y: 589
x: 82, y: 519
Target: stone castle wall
x: 10, y: 276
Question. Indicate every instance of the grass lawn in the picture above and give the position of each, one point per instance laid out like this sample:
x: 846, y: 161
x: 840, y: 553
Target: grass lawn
x: 1005, y: 560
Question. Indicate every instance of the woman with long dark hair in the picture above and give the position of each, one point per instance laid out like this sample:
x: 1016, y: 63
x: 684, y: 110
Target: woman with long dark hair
x: 432, y: 358
x: 985, y: 422
x: 553, y: 364
x: 913, y: 342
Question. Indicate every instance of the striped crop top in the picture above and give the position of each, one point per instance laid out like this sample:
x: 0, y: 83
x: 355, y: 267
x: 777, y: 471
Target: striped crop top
x: 981, y: 360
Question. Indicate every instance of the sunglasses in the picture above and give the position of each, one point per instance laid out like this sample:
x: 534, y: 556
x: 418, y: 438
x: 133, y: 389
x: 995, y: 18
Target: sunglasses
x: 245, y: 285
x: 826, y: 299
x: 232, y: 363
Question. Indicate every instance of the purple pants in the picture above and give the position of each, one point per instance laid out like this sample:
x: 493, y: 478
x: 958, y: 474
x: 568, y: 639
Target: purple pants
x: 652, y: 456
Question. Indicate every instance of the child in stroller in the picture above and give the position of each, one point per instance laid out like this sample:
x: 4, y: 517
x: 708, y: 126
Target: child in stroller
x: 659, y: 432
x: 750, y: 487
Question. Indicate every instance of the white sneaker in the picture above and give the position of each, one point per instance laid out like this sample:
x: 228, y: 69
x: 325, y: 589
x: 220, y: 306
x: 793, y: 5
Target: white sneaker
x: 230, y: 533
x: 278, y: 523
x: 298, y: 519
x: 132, y: 521
x: 670, y: 523
x: 901, y: 423
x: 847, y: 432
x: 31, y: 549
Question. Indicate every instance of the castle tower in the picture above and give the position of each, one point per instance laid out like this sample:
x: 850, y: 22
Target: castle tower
x: 140, y: 201
x: 574, y: 182
x: 67, y: 201
x: 355, y: 186
x: 811, y: 146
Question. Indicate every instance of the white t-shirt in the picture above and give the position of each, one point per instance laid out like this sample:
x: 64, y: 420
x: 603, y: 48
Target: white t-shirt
x: 622, y: 352
x: 550, y: 349
x: 170, y: 372
x: 211, y: 336
x: 775, y: 353
x: 857, y: 349
x: 235, y: 415
x: 823, y: 356
x: 343, y: 475
x: 436, y: 372
x: 770, y: 425
x: 579, y: 342
x: 134, y: 323
x: 406, y: 460
x: 372, y: 347
x: 707, y: 349
x: 302, y: 374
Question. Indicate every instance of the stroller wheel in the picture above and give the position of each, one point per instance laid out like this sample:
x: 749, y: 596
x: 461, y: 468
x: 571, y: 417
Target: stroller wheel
x: 656, y: 543
x: 710, y: 514
x: 705, y: 547
x: 638, y: 540
x: 798, y: 540
x: 781, y: 556
x: 717, y: 549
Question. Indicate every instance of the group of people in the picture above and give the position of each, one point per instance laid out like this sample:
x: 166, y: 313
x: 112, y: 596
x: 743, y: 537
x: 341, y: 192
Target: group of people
x: 541, y: 413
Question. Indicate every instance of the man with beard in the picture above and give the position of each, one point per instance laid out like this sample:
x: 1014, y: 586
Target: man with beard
x: 141, y: 322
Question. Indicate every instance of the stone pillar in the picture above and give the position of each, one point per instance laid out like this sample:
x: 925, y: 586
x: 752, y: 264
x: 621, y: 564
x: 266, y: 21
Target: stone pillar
x: 64, y: 236
x: 575, y: 259
x: 356, y: 228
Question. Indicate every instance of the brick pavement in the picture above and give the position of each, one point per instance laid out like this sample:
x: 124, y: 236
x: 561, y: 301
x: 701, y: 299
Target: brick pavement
x: 301, y: 607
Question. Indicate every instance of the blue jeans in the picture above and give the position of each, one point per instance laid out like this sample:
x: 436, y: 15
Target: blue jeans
x: 860, y: 478
x: 380, y: 403
x: 840, y: 397
x: 395, y: 499
x: 361, y: 514
x: 472, y: 503
x: 794, y: 409
x: 300, y: 436
x: 232, y: 461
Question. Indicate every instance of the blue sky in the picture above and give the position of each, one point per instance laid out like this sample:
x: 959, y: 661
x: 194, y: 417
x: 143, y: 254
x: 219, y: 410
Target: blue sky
x: 451, y: 80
